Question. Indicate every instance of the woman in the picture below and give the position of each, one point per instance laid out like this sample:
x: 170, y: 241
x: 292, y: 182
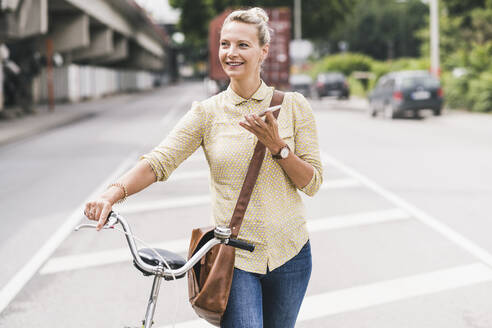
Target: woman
x: 269, y: 284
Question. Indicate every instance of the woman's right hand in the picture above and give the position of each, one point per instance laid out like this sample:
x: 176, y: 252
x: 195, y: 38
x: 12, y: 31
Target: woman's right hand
x: 98, y: 210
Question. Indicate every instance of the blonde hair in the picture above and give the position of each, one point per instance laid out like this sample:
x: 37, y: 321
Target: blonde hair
x: 255, y: 16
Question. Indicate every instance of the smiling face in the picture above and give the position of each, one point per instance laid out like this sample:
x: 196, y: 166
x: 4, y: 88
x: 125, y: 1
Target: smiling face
x: 240, y: 52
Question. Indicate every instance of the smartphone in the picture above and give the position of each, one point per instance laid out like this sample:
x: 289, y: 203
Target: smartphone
x: 269, y: 109
x: 264, y: 111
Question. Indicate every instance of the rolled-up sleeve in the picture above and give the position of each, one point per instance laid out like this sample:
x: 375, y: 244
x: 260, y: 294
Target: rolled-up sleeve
x: 306, y: 141
x: 181, y: 142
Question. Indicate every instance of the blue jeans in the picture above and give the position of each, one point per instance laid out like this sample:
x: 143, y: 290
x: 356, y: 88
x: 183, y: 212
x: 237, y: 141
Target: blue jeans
x: 270, y: 300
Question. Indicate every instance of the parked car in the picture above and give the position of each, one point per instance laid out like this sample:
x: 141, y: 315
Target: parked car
x: 398, y: 93
x: 332, y: 84
x: 301, y: 83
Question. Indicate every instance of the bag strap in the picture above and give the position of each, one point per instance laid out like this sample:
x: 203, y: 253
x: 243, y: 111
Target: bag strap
x: 252, y: 174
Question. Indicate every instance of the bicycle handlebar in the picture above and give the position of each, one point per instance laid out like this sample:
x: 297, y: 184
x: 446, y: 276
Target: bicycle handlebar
x: 221, y: 236
x: 241, y: 244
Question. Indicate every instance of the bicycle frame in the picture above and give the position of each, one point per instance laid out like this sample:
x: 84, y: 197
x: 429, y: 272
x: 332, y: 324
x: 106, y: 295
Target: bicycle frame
x: 221, y: 236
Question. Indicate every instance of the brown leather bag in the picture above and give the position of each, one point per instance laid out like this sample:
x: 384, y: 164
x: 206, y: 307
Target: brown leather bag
x: 209, y: 282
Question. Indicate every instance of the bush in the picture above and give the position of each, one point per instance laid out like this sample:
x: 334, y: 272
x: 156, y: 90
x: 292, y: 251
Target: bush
x: 481, y: 57
x: 356, y: 87
x: 402, y: 64
x: 480, y: 93
x: 455, y: 90
x: 345, y: 63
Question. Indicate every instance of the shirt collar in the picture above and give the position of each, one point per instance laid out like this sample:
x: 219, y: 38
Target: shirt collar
x: 259, y: 94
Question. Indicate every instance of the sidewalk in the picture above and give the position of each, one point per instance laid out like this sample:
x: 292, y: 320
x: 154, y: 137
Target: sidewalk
x: 16, y: 129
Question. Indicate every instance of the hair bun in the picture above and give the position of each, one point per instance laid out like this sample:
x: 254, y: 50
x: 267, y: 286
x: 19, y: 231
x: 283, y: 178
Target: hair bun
x: 260, y: 13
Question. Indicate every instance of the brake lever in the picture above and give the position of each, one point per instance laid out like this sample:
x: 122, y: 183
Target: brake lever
x: 110, y: 223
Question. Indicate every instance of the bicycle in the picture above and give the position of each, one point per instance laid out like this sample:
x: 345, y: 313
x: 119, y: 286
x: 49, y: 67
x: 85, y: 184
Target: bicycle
x: 161, y: 263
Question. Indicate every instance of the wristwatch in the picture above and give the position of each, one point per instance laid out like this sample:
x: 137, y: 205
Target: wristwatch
x: 283, y: 153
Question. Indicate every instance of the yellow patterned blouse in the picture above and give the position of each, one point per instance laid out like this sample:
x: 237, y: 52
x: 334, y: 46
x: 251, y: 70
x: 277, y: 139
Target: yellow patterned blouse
x: 275, y: 218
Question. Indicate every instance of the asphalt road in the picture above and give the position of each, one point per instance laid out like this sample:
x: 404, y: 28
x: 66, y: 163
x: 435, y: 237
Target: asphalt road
x: 399, y: 231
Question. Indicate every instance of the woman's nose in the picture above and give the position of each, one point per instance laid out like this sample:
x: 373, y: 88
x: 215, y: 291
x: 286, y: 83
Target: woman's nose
x: 232, y: 51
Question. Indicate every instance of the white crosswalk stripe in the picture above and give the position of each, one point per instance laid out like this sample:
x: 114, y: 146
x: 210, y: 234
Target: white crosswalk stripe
x: 340, y: 183
x: 198, y: 174
x: 360, y: 297
x: 357, y: 219
x: 165, y: 204
x: 81, y: 261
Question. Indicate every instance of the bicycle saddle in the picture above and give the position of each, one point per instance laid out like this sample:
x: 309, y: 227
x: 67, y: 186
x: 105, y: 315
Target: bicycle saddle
x: 175, y: 261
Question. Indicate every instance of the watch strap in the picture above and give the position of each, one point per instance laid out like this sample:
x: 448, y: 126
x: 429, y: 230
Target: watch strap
x: 278, y: 155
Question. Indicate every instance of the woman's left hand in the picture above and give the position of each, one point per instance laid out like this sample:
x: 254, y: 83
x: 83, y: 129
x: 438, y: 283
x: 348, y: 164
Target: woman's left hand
x: 265, y: 130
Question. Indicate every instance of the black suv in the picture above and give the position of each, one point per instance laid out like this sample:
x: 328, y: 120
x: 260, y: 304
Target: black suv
x: 332, y: 84
x: 397, y: 93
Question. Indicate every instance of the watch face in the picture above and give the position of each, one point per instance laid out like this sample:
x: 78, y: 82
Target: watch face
x: 284, y: 153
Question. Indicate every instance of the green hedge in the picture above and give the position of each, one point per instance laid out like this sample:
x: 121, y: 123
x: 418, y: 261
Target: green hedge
x: 380, y: 68
x: 455, y: 90
x: 345, y: 63
x: 480, y: 93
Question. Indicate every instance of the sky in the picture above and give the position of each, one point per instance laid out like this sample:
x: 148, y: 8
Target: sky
x: 160, y: 10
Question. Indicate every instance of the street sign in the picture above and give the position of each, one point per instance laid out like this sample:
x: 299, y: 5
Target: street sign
x: 300, y: 49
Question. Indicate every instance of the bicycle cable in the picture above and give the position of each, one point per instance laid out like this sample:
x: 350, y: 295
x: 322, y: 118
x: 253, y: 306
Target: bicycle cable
x: 161, y: 258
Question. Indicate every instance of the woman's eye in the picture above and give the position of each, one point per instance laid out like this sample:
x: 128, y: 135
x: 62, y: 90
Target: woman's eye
x: 223, y: 43
x: 243, y: 45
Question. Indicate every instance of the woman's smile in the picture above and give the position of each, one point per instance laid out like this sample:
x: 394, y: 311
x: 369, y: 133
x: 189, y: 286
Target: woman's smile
x: 234, y: 64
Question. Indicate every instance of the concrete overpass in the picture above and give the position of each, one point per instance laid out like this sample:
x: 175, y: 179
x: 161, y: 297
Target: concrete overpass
x: 88, y: 32
x: 112, y: 33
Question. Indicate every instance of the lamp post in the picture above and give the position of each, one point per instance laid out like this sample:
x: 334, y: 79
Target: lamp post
x: 297, y: 20
x: 434, y: 37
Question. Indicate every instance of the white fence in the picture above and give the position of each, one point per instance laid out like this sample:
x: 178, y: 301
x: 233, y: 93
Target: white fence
x: 74, y: 83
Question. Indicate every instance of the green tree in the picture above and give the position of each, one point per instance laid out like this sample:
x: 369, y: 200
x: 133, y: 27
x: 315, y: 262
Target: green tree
x: 460, y: 35
x: 462, y: 7
x: 383, y: 29
x: 465, y: 45
x: 318, y: 17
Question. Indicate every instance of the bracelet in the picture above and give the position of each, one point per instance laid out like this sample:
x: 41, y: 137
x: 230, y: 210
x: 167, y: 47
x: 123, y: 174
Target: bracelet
x: 123, y: 188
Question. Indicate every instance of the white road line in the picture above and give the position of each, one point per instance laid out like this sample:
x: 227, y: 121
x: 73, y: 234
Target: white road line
x: 190, y: 324
x: 358, y: 219
x: 87, y: 260
x: 420, y: 215
x: 198, y: 174
x: 165, y: 204
x: 200, y: 199
x: 15, y: 284
x: 329, y: 184
x: 361, y: 297
x: 81, y: 261
x: 340, y: 183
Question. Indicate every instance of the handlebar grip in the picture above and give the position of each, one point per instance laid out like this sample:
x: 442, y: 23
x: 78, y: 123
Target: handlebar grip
x: 241, y: 244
